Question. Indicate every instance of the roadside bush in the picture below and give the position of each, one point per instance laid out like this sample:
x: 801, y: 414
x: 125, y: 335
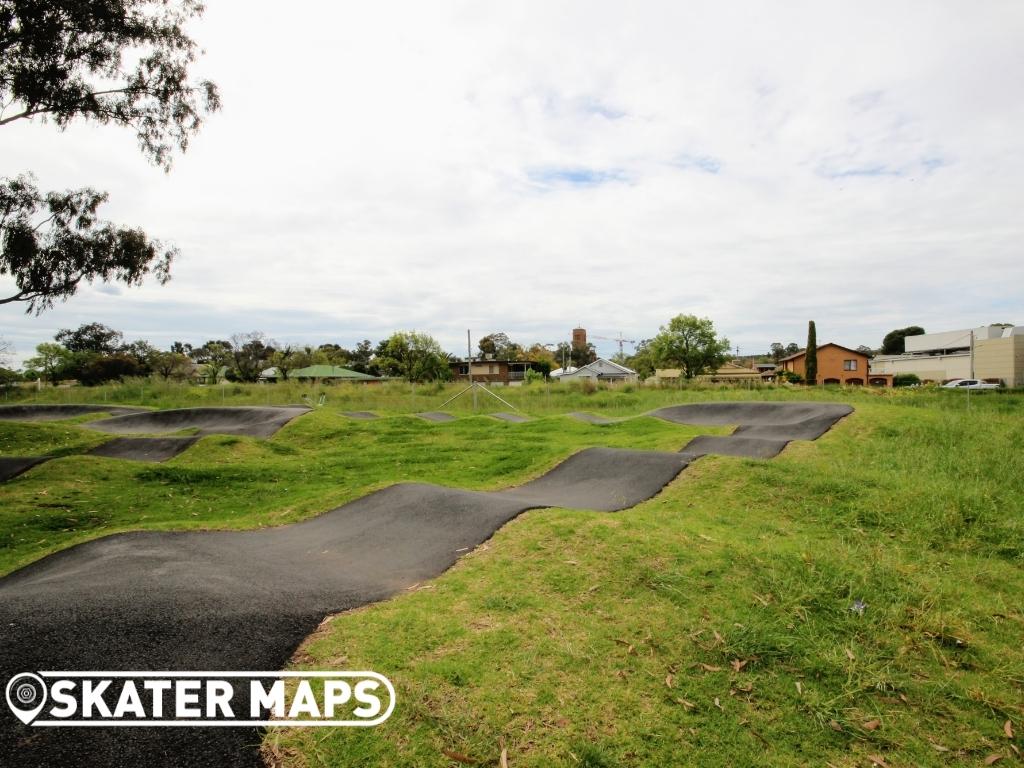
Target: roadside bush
x: 906, y: 380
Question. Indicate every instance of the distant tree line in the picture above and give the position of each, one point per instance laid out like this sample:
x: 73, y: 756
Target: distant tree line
x: 95, y: 354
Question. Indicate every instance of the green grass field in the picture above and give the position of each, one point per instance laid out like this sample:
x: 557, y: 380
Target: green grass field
x: 709, y: 626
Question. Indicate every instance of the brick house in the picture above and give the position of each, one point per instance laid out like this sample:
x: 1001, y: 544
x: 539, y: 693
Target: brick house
x: 836, y: 365
x: 507, y: 372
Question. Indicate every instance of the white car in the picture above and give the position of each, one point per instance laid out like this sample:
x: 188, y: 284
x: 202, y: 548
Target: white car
x: 969, y: 384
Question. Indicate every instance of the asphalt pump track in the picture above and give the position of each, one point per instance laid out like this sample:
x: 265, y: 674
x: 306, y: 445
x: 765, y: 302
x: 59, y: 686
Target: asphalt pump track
x: 244, y: 600
x: 249, y: 421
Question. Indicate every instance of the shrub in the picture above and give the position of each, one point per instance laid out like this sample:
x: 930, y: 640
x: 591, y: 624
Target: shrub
x: 531, y: 376
x: 906, y: 380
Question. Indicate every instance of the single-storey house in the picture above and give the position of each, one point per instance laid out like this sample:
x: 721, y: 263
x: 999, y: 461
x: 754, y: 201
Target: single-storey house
x: 731, y: 372
x: 500, y: 372
x: 600, y: 369
x: 836, y: 365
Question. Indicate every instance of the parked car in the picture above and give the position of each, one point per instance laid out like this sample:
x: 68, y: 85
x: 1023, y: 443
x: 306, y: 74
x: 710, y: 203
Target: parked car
x: 969, y: 384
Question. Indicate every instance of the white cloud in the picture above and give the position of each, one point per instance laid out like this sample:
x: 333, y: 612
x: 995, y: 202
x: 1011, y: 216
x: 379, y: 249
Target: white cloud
x: 527, y: 167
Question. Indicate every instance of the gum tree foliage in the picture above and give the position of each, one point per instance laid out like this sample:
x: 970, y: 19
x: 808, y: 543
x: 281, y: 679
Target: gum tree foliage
x: 500, y: 347
x: 172, y: 365
x: 811, y: 361
x: 894, y: 342
x: 213, y: 356
x: 108, y: 61
x: 51, y: 242
x: 642, y: 359
x: 414, y: 356
x: 690, y: 344
x: 94, y: 353
x: 90, y: 337
x: 361, y: 358
x: 582, y: 354
x: 50, y: 362
x: 779, y: 351
x: 250, y: 355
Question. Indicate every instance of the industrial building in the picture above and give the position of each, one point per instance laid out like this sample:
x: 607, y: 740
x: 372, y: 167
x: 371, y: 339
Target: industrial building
x: 994, y: 353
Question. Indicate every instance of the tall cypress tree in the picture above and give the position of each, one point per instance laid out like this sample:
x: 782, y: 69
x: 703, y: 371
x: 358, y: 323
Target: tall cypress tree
x: 811, y: 365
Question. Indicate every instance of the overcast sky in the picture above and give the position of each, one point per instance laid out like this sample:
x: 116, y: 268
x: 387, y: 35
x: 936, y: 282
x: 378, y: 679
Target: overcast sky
x: 531, y: 166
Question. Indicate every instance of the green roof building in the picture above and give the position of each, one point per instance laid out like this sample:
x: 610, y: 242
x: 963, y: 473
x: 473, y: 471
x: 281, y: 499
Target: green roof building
x: 321, y: 373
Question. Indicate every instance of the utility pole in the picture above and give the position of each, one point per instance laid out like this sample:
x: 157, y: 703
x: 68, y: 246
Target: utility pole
x: 972, y: 353
x: 972, y: 370
x: 469, y: 366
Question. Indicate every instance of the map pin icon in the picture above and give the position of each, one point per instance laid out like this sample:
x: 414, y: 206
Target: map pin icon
x: 26, y: 696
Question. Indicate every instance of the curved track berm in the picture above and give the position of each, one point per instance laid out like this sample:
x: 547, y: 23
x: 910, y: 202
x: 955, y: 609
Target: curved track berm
x: 243, y: 600
x: 144, y: 448
x: 254, y: 422
x: 58, y: 412
x: 247, y: 420
x: 12, y: 466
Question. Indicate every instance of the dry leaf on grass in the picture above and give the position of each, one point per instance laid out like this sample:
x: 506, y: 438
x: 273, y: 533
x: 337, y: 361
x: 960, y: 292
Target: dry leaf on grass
x: 719, y: 704
x: 834, y: 725
x: 993, y: 759
x: 938, y: 747
x: 709, y: 667
x: 738, y: 665
x: 503, y: 761
x: 669, y: 680
x: 878, y: 760
x: 871, y: 725
x: 459, y: 757
x: 685, y: 703
x: 1008, y: 729
x: 849, y: 655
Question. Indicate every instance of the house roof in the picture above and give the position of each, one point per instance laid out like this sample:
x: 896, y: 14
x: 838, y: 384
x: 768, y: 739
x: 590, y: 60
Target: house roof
x: 622, y: 368
x: 734, y: 370
x: 328, y: 372
x: 483, y: 360
x: 803, y: 352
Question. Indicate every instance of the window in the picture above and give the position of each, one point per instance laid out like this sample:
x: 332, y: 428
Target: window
x: 849, y: 365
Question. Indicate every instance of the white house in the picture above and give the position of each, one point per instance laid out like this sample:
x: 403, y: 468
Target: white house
x: 600, y: 370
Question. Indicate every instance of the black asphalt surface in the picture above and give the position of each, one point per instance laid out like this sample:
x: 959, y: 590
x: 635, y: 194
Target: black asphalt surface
x: 144, y: 448
x: 12, y: 466
x: 251, y: 421
x: 244, y: 600
x: 438, y: 416
x: 762, y: 429
x: 591, y: 418
x: 515, y: 418
x: 58, y: 412
x: 255, y: 422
